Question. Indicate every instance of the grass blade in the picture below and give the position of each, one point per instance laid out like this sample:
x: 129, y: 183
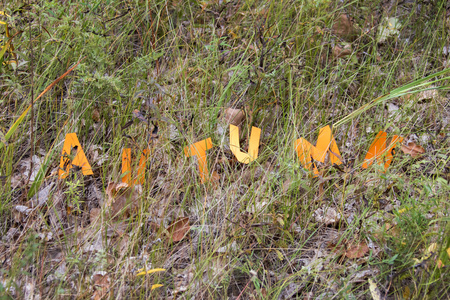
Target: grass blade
x: 22, y: 116
x: 401, y: 91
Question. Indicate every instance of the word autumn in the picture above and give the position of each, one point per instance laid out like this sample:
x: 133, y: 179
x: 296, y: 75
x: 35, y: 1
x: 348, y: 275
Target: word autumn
x: 326, y: 144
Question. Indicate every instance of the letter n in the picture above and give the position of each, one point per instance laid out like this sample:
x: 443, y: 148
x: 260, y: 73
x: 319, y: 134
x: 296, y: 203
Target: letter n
x: 73, y: 155
x: 378, y: 150
x: 126, y: 167
x: 325, y: 144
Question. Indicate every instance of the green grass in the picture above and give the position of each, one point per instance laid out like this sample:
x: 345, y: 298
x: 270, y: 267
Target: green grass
x: 256, y: 232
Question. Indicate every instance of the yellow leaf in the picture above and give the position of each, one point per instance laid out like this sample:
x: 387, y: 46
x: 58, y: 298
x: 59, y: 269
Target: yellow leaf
x: 279, y: 254
x: 155, y: 286
x: 448, y: 252
x: 4, y: 49
x: 406, y: 293
x: 376, y: 294
x: 4, y: 14
x: 430, y: 250
x: 143, y: 272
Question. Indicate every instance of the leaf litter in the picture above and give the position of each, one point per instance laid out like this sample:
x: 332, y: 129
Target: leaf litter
x: 286, y: 232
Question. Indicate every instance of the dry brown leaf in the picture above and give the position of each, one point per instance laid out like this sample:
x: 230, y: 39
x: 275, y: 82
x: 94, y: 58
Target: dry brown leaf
x: 94, y: 214
x: 233, y: 116
x: 179, y: 229
x: 350, y: 250
x: 343, y: 28
x: 122, y: 199
x: 357, y: 250
x: 338, y: 51
x: 137, y: 114
x: 413, y: 149
x: 96, y: 115
x: 21, y: 213
x: 101, y: 285
x: 327, y: 215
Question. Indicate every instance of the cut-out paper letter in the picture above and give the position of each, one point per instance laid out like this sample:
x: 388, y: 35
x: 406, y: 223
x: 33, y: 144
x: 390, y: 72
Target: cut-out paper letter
x: 199, y: 149
x: 253, y: 145
x: 73, y: 155
x: 378, y: 150
x: 126, y: 167
x: 325, y: 144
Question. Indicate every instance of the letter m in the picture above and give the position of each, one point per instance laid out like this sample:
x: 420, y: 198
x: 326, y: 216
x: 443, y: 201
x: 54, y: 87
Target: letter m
x: 326, y: 144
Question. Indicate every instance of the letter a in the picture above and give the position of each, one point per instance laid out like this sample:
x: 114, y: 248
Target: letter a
x: 325, y: 144
x: 126, y: 167
x: 253, y: 145
x: 378, y: 149
x: 199, y: 149
x: 69, y: 159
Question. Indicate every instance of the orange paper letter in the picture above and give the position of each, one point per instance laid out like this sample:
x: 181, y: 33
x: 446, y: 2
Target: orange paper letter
x: 126, y: 167
x: 378, y: 149
x: 77, y: 158
x: 325, y: 143
x: 199, y: 149
x: 253, y: 145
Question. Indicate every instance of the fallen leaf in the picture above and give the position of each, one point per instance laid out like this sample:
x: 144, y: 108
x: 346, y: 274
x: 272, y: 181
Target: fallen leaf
x: 327, y: 215
x: 339, y: 51
x: 96, y: 115
x: 111, y: 191
x: 21, y: 213
x: 376, y: 294
x: 42, y: 196
x: 156, y: 286
x: 228, y: 248
x: 233, y: 116
x: 122, y: 199
x: 343, y: 28
x: 357, y: 251
x: 35, y: 163
x: 101, y: 285
x: 179, y: 229
x: 94, y: 214
x: 143, y: 272
x: 137, y: 114
x: 406, y: 293
x: 427, y: 254
x: 413, y: 149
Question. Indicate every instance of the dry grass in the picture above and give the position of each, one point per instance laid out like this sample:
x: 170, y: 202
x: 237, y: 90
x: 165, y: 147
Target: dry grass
x: 261, y: 231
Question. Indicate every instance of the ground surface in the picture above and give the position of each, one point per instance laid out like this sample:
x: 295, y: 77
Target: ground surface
x: 162, y: 75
